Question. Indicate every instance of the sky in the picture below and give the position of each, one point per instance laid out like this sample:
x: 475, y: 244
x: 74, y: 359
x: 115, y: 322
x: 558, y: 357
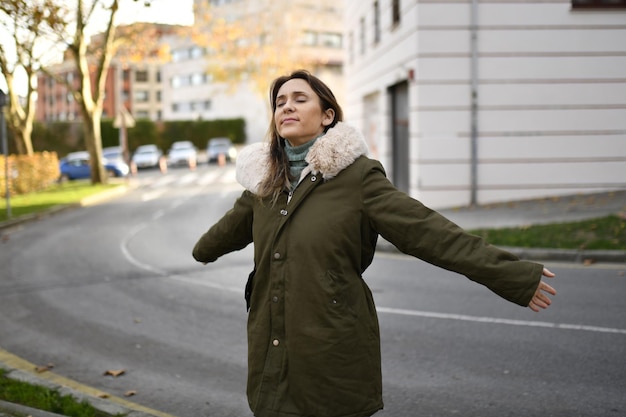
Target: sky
x: 159, y: 11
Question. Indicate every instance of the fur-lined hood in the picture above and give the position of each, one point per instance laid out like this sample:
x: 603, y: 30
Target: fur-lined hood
x: 329, y: 155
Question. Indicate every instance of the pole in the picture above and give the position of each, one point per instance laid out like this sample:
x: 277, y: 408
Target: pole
x: 5, y: 149
x: 474, y: 102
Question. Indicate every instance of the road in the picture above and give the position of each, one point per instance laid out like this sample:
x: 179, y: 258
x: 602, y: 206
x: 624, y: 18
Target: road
x: 113, y: 287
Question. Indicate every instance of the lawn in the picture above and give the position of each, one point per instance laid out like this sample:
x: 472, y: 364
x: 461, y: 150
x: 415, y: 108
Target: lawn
x: 42, y: 398
x: 70, y: 192
x: 605, y: 233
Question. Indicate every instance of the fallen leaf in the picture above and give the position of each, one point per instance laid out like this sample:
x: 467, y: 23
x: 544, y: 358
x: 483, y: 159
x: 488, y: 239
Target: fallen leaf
x: 103, y: 395
x: 589, y: 261
x: 130, y: 393
x: 115, y: 372
x: 44, y: 368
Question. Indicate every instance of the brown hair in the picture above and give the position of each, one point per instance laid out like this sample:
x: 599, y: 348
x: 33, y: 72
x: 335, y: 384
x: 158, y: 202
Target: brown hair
x: 278, y: 173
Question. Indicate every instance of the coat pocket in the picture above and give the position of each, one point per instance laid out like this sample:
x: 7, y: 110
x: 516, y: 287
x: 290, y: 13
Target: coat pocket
x: 247, y: 294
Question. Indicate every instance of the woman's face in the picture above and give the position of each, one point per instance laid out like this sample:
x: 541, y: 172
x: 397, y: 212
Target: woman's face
x: 298, y: 116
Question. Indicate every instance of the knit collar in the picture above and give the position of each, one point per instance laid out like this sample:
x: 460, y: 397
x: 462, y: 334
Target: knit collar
x: 298, y: 153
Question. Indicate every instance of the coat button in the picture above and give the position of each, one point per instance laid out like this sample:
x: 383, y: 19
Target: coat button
x: 283, y: 212
x: 275, y: 299
x: 277, y: 255
x: 313, y: 178
x: 275, y: 342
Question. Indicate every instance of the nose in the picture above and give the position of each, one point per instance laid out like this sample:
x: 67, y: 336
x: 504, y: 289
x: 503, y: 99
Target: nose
x: 288, y: 106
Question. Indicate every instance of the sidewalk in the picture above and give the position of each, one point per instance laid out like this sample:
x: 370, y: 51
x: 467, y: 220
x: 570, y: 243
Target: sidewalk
x: 542, y: 211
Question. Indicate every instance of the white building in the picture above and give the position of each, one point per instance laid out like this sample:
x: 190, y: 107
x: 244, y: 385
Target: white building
x: 286, y: 28
x: 480, y: 101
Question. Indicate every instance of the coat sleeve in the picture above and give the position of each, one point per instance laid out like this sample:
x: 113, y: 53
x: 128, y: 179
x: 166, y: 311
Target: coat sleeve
x: 425, y: 234
x: 232, y: 232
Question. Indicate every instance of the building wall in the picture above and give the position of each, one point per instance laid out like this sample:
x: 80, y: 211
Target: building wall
x: 189, y: 92
x: 55, y: 103
x: 551, y: 96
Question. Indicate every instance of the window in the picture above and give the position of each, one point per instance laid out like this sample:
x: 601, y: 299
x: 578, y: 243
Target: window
x: 197, y: 79
x: 141, y: 76
x: 309, y: 38
x: 331, y: 40
x: 141, y: 96
x: 598, y: 4
x: 395, y: 12
x: 362, y: 36
x: 351, y: 47
x: 142, y: 114
x: 376, y: 22
x: 196, y: 52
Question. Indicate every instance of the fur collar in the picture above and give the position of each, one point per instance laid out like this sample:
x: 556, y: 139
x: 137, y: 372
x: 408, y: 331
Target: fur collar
x: 329, y: 155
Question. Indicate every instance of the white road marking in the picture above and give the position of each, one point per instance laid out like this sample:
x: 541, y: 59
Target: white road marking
x: 495, y: 320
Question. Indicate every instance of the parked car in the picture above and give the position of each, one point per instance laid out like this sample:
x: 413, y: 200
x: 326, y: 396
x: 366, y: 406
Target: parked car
x: 182, y: 152
x: 113, y: 153
x: 147, y: 156
x: 220, y: 146
x: 76, y: 166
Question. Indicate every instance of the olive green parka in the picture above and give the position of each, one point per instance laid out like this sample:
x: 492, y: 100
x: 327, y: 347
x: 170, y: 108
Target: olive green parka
x: 313, y: 336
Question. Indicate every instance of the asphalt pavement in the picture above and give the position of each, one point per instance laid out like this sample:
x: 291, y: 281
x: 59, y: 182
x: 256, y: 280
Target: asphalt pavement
x: 510, y: 214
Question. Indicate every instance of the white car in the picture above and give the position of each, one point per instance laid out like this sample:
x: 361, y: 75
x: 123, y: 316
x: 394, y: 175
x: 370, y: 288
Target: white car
x: 147, y: 156
x: 182, y: 153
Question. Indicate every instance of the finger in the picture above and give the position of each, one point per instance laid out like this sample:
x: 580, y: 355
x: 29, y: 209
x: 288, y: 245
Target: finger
x: 547, y: 288
x: 533, y: 307
x: 542, y: 300
x: 547, y: 273
x: 539, y: 302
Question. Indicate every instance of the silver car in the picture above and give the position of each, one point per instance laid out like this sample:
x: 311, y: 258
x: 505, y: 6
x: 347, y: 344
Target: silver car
x: 147, y: 156
x: 182, y: 153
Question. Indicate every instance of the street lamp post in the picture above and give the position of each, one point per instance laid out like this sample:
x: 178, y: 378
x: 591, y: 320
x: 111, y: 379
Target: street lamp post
x: 5, y: 149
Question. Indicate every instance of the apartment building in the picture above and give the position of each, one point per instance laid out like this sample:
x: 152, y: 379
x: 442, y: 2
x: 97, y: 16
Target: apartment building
x: 134, y: 85
x: 481, y: 101
x: 285, y: 29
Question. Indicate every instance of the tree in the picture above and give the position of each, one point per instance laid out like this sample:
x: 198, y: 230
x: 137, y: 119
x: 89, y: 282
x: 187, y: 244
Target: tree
x: 92, y: 62
x: 26, y: 22
x: 256, y: 40
x: 90, y: 99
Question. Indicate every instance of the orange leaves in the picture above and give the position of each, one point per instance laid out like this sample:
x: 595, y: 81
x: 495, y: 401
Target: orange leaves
x: 43, y: 368
x: 115, y: 373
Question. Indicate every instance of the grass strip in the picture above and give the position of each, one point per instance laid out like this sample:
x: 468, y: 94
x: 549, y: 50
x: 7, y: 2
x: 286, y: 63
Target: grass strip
x: 604, y: 233
x: 41, y: 398
x: 58, y: 194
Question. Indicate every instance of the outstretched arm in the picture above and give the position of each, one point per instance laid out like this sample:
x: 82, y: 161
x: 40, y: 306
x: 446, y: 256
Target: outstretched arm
x: 541, y: 299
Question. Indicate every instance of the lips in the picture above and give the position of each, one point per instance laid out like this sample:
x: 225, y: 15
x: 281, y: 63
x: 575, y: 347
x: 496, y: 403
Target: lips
x: 287, y: 120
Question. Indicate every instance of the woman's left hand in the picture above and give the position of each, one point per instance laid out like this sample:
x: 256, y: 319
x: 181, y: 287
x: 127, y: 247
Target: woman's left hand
x: 540, y: 299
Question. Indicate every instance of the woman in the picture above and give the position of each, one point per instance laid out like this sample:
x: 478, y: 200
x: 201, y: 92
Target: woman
x: 314, y: 206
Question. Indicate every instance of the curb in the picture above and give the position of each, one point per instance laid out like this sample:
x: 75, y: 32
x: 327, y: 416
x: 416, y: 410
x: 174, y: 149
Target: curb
x: 544, y: 254
x: 21, y: 370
